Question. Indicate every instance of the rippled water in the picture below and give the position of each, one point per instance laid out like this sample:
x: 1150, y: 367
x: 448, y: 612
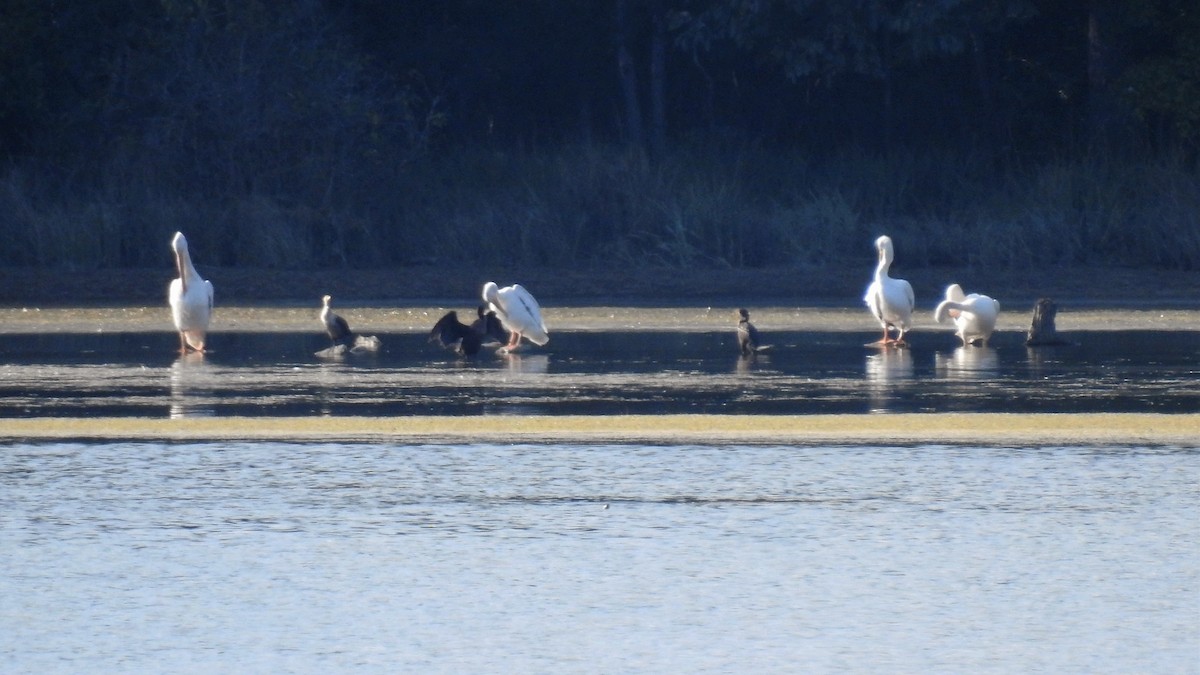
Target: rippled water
x: 161, y: 558
x: 596, y: 373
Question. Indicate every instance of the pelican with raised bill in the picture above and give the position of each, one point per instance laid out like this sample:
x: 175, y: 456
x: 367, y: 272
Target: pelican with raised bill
x: 974, y: 315
x: 191, y: 299
x: 890, y: 300
x: 518, y: 312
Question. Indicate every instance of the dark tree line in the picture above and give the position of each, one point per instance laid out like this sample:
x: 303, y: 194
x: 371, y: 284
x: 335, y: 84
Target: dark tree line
x: 377, y: 132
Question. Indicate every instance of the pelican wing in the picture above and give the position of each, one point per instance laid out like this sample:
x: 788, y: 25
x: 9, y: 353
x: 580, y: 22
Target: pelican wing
x: 191, y: 309
x: 520, y: 313
x: 874, y: 300
x: 896, y: 302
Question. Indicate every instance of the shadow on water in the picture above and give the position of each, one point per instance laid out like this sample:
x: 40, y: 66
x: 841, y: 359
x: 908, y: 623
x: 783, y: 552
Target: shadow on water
x: 278, y: 374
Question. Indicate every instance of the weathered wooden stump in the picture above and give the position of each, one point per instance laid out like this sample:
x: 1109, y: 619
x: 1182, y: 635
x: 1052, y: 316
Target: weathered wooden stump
x: 1042, y: 332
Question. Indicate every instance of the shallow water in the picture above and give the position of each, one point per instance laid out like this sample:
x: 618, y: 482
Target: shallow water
x: 595, y: 372
x: 265, y: 557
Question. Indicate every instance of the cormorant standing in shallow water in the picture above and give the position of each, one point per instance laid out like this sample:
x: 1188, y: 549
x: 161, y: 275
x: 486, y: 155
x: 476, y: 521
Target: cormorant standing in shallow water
x: 455, y: 335
x: 747, y: 335
x: 489, y: 326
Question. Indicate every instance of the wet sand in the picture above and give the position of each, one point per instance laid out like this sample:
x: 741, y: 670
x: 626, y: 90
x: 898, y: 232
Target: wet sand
x: 419, y: 318
x: 877, y: 429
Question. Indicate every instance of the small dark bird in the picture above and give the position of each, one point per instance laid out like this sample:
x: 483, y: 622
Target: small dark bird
x: 488, y: 326
x: 747, y: 335
x: 455, y: 335
x: 335, y: 326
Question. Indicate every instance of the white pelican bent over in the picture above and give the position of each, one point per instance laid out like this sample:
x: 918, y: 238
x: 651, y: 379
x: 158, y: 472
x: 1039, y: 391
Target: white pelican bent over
x: 890, y: 300
x: 518, y: 312
x: 191, y: 299
x: 974, y: 315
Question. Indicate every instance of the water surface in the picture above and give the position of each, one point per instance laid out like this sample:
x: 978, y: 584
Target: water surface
x: 596, y: 372
x: 244, y: 557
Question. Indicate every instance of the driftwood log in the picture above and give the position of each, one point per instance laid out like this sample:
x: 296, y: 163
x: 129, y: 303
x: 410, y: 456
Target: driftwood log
x: 1042, y: 332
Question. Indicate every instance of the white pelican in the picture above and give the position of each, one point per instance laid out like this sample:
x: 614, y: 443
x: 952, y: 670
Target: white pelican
x: 747, y: 335
x: 191, y: 299
x: 890, y: 300
x: 335, y: 326
x: 974, y: 315
x: 518, y: 312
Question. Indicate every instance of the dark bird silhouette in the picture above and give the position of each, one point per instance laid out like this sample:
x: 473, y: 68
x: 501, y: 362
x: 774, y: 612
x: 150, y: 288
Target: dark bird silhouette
x: 747, y: 335
x: 455, y: 335
x: 488, y: 326
x: 335, y: 326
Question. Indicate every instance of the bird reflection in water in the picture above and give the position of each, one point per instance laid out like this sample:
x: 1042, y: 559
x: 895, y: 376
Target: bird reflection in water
x: 191, y: 378
x: 526, y: 364
x: 748, y: 363
x: 890, y: 365
x: 967, y: 363
x: 884, y: 370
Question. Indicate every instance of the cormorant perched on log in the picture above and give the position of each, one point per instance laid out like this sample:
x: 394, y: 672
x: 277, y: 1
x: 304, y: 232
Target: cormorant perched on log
x: 1042, y: 332
x: 335, y: 326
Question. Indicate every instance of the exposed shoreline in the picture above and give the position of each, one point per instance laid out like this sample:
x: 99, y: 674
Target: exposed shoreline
x: 1004, y: 429
x: 420, y: 318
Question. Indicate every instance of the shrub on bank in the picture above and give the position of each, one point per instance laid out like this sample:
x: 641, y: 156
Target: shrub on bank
x: 708, y: 204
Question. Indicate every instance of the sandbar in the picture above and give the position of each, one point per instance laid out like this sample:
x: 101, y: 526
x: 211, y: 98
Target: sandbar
x: 985, y: 429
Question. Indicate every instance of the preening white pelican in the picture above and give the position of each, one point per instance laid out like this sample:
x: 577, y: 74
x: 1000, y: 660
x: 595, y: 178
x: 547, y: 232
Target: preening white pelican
x: 191, y: 299
x: 974, y: 315
x: 335, y: 326
x: 890, y: 300
x: 518, y: 312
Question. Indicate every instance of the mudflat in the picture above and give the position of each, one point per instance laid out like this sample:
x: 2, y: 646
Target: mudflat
x: 419, y: 318
x: 877, y: 429
x: 1093, y: 300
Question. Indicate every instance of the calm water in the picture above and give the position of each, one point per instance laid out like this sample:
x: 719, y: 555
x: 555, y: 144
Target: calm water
x: 269, y: 558
x: 596, y: 373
